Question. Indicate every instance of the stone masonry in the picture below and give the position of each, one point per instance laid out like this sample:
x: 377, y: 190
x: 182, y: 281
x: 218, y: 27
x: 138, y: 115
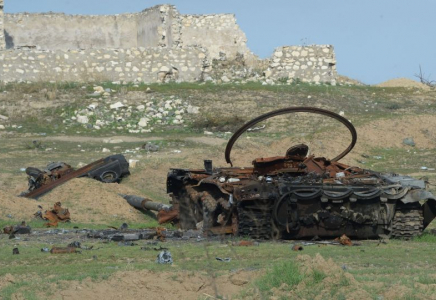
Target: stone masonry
x: 157, y: 44
x: 314, y: 63
x: 120, y: 65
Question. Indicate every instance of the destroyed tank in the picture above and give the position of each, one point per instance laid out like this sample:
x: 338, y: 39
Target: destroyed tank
x: 298, y: 196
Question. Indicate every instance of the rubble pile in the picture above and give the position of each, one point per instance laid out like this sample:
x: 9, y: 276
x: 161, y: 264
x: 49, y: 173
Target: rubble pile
x: 132, y: 116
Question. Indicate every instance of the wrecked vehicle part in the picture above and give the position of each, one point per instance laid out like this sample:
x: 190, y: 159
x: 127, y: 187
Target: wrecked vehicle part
x: 144, y: 203
x: 299, y: 195
x: 17, y: 229
x: 166, y: 213
x: 57, y: 215
x: 110, y: 169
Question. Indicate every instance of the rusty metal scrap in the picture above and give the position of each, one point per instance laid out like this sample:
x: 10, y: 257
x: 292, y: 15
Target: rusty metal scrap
x: 344, y: 240
x: 64, y: 250
x: 57, y: 215
x: 110, y: 169
x: 297, y: 248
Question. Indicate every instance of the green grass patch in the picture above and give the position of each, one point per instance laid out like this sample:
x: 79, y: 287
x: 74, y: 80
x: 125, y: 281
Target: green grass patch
x: 286, y: 272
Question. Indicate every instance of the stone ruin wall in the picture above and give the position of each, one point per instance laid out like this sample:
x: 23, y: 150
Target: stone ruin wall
x: 165, y: 45
x: 118, y: 65
x: 54, y: 31
x: 316, y: 63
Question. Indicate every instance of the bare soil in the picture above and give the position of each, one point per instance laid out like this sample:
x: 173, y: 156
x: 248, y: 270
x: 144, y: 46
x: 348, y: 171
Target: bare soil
x: 161, y: 285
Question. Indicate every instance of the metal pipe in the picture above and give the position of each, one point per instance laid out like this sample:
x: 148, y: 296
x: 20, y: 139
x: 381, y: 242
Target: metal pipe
x: 144, y: 203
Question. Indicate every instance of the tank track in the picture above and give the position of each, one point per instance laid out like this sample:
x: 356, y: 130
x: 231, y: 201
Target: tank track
x: 255, y: 220
x: 407, y: 223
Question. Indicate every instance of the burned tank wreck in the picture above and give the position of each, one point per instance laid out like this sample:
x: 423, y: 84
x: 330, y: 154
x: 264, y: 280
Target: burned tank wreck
x: 298, y: 195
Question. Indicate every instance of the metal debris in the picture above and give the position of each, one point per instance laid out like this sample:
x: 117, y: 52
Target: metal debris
x: 344, y: 240
x: 57, y: 215
x: 110, y: 169
x: 227, y: 259
x: 297, y: 248
x: 164, y: 257
x: 17, y: 229
x: 64, y: 250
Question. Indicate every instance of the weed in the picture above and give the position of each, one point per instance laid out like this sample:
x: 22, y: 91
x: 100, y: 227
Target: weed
x: 286, y: 272
x: 318, y: 276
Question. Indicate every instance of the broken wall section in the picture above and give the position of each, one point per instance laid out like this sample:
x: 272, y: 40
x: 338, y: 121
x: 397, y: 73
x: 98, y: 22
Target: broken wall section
x: 57, y: 31
x: 2, y: 27
x: 120, y: 65
x: 315, y: 63
x: 158, y: 27
x: 217, y: 33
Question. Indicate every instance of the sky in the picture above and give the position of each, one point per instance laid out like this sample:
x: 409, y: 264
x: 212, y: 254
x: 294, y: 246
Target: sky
x: 374, y: 40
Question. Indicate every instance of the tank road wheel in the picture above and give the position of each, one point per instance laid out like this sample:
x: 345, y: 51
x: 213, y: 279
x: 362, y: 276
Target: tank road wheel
x: 408, y: 222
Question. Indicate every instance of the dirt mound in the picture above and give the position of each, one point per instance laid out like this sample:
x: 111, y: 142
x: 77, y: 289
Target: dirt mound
x: 341, y: 79
x: 89, y: 201
x: 92, y: 201
x: 335, y: 281
x: 403, y: 82
x: 160, y: 285
x: 17, y: 208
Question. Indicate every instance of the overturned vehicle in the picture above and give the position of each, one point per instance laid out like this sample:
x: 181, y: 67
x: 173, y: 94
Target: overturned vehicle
x: 298, y: 196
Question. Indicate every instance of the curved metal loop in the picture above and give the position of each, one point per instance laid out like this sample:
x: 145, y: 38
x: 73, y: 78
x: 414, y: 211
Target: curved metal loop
x: 288, y: 110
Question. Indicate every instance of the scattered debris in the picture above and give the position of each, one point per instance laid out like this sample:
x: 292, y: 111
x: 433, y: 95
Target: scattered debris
x: 227, y: 259
x: 64, y: 250
x: 409, y: 142
x: 17, y: 229
x: 150, y: 147
x: 257, y: 128
x: 15, y: 251
x: 164, y: 257
x: 45, y: 249
x: 297, y: 247
x: 54, y: 216
x: 247, y: 243
x: 344, y: 240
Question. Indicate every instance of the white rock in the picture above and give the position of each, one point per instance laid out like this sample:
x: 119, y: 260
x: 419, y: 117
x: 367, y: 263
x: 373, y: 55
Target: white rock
x: 2, y: 127
x: 117, y: 105
x: 82, y: 119
x: 99, y: 89
x: 225, y: 79
x: 193, y: 109
x: 208, y: 133
x: 3, y: 117
x: 140, y: 107
x: 133, y: 163
x: 179, y: 117
x: 143, y: 122
x: 341, y: 113
x: 176, y: 121
x: 105, y: 150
